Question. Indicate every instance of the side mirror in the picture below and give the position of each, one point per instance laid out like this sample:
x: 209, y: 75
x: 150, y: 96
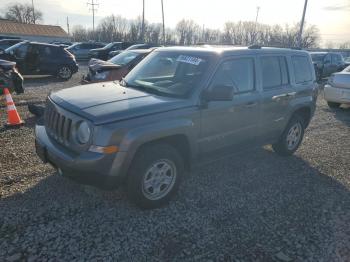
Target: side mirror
x: 219, y: 93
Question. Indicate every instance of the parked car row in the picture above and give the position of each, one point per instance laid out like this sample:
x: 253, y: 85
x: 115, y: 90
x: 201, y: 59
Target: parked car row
x: 327, y: 63
x: 56, y: 59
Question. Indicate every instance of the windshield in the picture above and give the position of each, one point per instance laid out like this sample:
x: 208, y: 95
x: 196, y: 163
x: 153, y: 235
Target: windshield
x: 12, y: 48
x: 123, y: 58
x: 168, y: 73
x: 317, y: 57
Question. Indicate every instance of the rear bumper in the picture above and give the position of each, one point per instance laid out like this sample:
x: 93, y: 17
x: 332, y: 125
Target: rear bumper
x: 101, y: 170
x: 337, y: 95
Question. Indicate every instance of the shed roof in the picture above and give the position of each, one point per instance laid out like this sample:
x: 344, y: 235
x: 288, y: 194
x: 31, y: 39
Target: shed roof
x: 14, y: 28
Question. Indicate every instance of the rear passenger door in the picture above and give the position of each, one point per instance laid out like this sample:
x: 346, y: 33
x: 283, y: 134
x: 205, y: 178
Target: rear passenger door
x: 48, y: 61
x: 277, y: 93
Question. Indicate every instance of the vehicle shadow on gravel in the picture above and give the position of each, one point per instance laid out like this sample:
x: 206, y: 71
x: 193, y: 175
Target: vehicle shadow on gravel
x: 253, y: 207
x: 342, y: 114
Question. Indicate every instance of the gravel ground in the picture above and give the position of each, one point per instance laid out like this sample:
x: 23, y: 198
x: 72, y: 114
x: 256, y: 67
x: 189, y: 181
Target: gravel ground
x: 253, y: 207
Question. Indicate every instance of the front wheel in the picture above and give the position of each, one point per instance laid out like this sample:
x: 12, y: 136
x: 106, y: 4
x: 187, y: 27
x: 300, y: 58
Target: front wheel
x: 291, y: 138
x: 64, y: 73
x: 154, y: 176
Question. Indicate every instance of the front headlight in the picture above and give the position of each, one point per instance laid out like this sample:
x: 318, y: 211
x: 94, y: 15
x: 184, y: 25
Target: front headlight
x: 83, y: 133
x: 101, y: 75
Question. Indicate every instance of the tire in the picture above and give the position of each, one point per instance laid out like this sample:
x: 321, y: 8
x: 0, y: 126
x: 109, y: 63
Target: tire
x: 291, y: 138
x: 147, y: 186
x: 64, y: 73
x: 333, y: 104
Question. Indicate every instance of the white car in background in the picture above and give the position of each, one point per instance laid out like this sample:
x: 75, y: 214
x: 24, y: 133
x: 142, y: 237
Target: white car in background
x: 337, y: 90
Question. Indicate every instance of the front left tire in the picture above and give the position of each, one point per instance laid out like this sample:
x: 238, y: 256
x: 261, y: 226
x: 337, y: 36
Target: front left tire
x: 154, y: 176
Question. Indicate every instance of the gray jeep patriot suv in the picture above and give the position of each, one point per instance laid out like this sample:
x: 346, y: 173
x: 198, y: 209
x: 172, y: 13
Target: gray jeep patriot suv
x: 179, y: 106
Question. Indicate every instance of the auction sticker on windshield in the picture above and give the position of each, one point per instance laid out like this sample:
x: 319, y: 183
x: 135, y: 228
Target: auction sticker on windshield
x: 189, y: 59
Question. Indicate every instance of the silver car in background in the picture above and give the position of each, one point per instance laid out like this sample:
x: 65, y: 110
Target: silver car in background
x: 337, y: 90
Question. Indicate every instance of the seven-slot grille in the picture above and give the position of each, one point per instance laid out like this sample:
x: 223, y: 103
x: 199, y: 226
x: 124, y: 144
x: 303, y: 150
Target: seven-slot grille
x: 57, y: 125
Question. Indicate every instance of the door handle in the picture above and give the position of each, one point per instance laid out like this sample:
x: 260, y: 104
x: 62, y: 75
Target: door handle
x: 250, y: 104
x: 279, y: 96
x: 291, y: 94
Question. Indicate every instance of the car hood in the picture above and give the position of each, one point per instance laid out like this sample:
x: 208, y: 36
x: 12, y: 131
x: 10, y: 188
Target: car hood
x: 7, y: 65
x: 97, y: 65
x: 110, y: 102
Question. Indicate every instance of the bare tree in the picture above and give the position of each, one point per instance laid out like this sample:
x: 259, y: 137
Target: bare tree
x: 345, y: 45
x: 188, y: 32
x: 23, y: 13
x: 79, y: 33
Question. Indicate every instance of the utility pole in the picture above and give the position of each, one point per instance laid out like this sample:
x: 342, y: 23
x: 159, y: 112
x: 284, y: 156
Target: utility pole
x: 256, y: 24
x: 143, y: 22
x: 93, y: 9
x: 68, y: 25
x: 33, y: 11
x: 300, y: 36
x: 257, y: 15
x: 163, y: 23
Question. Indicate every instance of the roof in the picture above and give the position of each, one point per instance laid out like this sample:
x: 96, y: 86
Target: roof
x: 14, y: 28
x: 232, y: 50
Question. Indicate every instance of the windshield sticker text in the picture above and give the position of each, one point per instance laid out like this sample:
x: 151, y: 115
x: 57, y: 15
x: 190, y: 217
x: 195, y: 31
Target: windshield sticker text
x: 189, y: 60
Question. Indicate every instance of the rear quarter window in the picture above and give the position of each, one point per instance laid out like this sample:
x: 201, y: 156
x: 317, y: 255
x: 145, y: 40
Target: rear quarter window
x: 302, y: 69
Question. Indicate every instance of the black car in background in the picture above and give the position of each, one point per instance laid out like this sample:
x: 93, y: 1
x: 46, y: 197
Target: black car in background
x: 133, y: 47
x: 327, y: 63
x: 81, y: 50
x: 6, y: 43
x: 102, y: 53
x: 41, y: 59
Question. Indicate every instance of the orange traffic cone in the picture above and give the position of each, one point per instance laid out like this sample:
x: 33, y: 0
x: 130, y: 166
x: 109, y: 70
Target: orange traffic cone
x: 13, y: 118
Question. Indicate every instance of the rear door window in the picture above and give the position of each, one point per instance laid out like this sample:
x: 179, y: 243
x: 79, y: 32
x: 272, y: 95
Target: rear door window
x: 274, y: 72
x: 238, y: 73
x: 302, y: 69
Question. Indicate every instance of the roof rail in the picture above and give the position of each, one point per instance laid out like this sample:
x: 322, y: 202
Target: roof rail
x: 254, y: 47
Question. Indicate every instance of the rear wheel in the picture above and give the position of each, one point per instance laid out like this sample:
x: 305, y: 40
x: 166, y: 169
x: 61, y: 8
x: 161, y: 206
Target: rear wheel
x: 291, y: 138
x: 333, y: 104
x: 64, y: 73
x: 154, y: 176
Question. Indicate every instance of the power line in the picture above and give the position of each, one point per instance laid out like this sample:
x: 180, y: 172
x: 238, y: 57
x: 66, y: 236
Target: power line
x: 93, y: 8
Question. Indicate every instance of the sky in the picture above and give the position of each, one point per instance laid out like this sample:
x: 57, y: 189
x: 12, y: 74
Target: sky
x: 331, y: 17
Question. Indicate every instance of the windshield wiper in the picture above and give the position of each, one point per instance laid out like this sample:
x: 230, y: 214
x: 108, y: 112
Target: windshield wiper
x: 142, y: 88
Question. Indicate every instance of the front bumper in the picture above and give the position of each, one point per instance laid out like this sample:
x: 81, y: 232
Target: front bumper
x: 337, y: 95
x: 101, y: 170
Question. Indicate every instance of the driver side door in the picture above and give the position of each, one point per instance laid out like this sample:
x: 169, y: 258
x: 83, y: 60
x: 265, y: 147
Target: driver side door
x: 232, y: 124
